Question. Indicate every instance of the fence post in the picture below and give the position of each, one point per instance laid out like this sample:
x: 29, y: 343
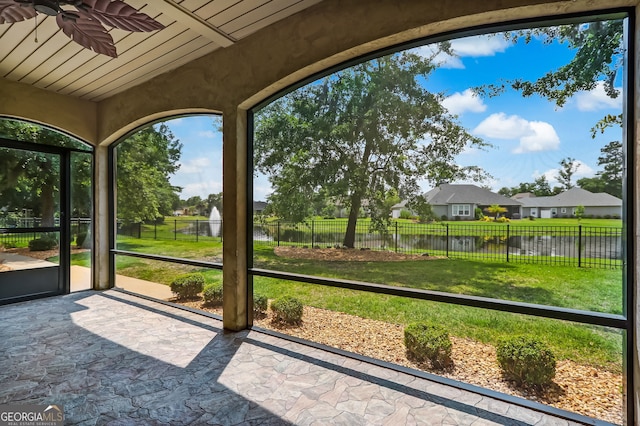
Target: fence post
x: 447, y: 239
x: 278, y: 233
x: 197, y: 230
x: 155, y: 230
x: 579, y: 246
x: 139, y: 229
x: 175, y: 229
x: 313, y: 225
x: 507, y: 243
x: 396, y: 236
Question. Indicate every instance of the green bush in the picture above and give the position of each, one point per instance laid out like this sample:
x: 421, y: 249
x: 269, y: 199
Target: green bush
x: 287, y: 310
x: 405, y: 214
x: 188, y: 286
x: 42, y: 244
x: 428, y: 343
x: 526, y: 361
x: 80, y: 238
x: 212, y: 293
x: 260, y: 304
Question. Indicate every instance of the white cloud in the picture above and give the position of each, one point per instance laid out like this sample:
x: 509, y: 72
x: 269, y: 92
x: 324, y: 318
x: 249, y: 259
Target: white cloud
x: 534, y: 136
x: 544, y: 138
x: 482, y: 45
x: 476, y: 46
x: 198, y: 165
x: 582, y: 170
x: 209, y: 134
x: 597, y: 99
x: 458, y: 103
x: 201, y: 189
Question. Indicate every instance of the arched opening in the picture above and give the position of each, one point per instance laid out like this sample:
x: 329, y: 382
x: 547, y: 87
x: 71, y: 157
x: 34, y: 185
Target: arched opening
x: 46, y: 214
x: 419, y: 184
x: 167, y: 198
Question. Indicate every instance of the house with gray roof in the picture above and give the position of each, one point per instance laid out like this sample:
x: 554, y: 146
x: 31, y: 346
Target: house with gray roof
x: 564, y: 205
x: 459, y: 201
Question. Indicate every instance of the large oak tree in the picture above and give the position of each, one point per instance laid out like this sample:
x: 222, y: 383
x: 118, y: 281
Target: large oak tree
x: 355, y: 135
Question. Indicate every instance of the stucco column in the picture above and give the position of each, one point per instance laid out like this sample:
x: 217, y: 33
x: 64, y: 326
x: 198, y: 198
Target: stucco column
x: 101, y: 219
x: 234, y: 226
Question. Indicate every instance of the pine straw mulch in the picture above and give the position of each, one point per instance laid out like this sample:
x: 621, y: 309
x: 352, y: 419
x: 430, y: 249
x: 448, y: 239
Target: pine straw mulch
x: 583, y: 389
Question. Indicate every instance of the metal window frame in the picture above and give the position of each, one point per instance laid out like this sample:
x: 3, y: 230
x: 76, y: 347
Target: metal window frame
x: 625, y: 322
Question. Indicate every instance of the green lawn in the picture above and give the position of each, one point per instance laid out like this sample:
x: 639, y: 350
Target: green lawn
x: 580, y: 288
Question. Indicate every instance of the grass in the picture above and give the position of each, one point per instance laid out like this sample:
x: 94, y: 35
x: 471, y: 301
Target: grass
x: 588, y: 289
x: 579, y: 288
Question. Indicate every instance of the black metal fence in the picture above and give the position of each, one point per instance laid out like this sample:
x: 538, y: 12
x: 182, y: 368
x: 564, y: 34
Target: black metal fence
x: 177, y: 230
x: 581, y: 246
x: 13, y: 235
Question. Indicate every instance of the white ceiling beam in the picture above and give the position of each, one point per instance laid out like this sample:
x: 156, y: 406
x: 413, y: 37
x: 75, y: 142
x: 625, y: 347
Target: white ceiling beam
x: 193, y: 22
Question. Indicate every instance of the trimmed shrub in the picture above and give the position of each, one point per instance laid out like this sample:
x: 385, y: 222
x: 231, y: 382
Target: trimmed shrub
x: 42, y: 244
x: 526, y: 361
x: 188, y: 286
x: 287, y: 310
x: 260, y: 304
x: 428, y: 343
x: 212, y: 293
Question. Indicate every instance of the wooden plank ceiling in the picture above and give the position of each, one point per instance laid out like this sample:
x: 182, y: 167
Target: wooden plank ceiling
x: 193, y: 28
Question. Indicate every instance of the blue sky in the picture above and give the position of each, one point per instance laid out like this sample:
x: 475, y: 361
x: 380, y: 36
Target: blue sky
x: 200, y: 170
x: 530, y: 136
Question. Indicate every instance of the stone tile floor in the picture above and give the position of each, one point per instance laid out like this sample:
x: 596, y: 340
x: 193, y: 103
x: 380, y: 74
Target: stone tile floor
x: 110, y: 358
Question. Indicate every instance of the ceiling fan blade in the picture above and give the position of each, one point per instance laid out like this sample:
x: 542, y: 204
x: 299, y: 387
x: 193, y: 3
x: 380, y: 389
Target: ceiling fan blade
x: 118, y: 14
x: 88, y: 33
x: 11, y: 12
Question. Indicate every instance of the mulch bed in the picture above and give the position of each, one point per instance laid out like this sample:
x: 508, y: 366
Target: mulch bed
x: 587, y: 390
x: 579, y: 388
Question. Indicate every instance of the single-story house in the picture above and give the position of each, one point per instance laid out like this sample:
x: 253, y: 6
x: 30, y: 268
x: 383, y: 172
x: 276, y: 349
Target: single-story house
x: 459, y: 201
x: 259, y: 206
x: 564, y: 204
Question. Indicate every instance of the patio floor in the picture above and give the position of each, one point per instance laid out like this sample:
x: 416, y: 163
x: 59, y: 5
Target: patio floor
x: 110, y: 358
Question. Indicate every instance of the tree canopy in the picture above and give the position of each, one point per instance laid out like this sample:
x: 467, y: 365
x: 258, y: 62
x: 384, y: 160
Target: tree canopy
x: 356, y: 134
x: 539, y: 187
x: 145, y: 161
x: 598, y: 59
x: 30, y: 180
x: 568, y: 167
x: 609, y: 179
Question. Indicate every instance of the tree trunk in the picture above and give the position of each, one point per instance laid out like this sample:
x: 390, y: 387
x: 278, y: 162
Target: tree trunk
x: 47, y: 206
x: 350, y: 234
